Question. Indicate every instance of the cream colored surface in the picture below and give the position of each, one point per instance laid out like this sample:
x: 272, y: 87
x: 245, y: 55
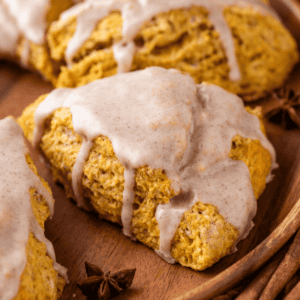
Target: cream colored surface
x: 136, y: 12
x: 16, y: 215
x: 22, y: 18
x: 23, y: 26
x: 203, y: 236
x: 30, y: 17
x: 178, y: 119
x: 9, y: 33
x: 185, y: 39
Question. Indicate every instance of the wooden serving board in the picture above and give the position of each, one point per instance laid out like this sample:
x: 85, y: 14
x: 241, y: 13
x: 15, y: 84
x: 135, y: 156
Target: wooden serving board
x: 79, y: 236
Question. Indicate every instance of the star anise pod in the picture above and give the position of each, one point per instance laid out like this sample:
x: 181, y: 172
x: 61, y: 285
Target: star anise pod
x: 286, y: 108
x: 102, y: 286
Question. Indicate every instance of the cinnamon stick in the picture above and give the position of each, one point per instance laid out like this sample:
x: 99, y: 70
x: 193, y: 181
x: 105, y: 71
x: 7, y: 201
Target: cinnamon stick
x: 231, y: 295
x: 284, y: 273
x: 251, y: 262
x: 292, y: 283
x: 294, y: 293
x: 254, y: 289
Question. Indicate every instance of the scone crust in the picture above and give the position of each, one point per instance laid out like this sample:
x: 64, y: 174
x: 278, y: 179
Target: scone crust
x: 184, y: 39
x: 39, y: 279
x: 202, y: 229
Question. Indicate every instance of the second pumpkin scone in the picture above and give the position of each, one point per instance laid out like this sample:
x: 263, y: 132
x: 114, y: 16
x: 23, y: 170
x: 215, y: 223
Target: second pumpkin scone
x: 179, y: 165
x: 28, y: 269
x: 239, y: 45
x: 23, y: 27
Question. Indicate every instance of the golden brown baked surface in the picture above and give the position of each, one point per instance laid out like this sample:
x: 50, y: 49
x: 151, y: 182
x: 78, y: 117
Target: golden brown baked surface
x: 184, y: 39
x: 37, y: 53
x: 203, y: 236
x: 39, y: 279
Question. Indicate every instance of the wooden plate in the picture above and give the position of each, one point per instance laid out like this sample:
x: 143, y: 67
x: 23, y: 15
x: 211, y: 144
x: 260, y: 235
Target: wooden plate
x: 78, y: 236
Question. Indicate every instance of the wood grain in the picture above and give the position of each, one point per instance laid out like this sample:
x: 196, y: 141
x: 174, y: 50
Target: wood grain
x: 78, y: 236
x: 252, y: 261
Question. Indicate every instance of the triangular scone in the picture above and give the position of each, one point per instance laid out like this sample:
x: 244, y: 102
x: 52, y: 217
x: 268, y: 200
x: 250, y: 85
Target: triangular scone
x: 28, y: 269
x: 179, y: 165
x: 236, y: 44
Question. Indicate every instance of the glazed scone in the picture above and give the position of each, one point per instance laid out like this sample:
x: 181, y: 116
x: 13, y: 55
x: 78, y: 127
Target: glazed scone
x: 179, y: 165
x: 28, y: 269
x: 23, y: 28
x: 238, y: 45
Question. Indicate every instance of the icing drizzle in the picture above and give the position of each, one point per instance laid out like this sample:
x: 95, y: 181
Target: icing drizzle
x: 136, y: 12
x: 162, y: 119
x: 16, y: 215
x: 19, y: 17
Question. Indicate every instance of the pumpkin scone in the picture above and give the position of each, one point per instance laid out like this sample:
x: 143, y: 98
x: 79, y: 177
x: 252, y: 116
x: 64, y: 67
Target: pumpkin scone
x: 178, y: 165
x: 236, y: 44
x: 23, y: 31
x: 28, y: 269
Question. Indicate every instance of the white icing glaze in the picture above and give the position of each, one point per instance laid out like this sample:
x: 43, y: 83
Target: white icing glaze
x: 77, y: 173
x: 16, y: 215
x: 162, y: 119
x: 22, y: 18
x: 136, y: 12
x: 30, y: 17
x: 25, y: 54
x: 9, y: 34
x: 226, y: 184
